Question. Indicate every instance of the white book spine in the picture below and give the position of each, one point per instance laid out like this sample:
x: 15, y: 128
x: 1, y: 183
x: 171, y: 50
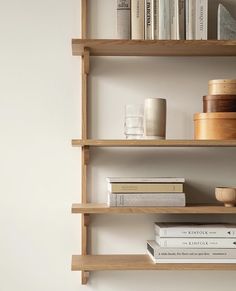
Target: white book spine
x: 164, y: 19
x: 137, y: 19
x: 192, y: 19
x: 196, y: 242
x: 187, y: 19
x: 189, y: 253
x: 174, y: 18
x: 146, y: 200
x: 191, y: 232
x: 155, y: 19
x: 194, y: 261
x: 181, y: 20
x: 144, y: 180
x: 202, y: 19
x: 123, y: 19
x: 148, y: 19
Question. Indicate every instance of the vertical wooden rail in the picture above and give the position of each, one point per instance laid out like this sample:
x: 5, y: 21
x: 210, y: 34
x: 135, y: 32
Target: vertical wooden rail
x: 85, y: 150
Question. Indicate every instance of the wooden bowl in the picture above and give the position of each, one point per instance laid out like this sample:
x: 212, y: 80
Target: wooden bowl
x: 222, y: 87
x: 219, y: 103
x: 215, y: 125
x: 226, y: 195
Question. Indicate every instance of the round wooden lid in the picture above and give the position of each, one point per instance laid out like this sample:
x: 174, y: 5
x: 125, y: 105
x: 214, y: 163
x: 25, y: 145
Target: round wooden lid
x: 223, y: 81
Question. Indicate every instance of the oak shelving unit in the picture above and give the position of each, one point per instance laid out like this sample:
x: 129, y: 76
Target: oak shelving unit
x: 89, y: 47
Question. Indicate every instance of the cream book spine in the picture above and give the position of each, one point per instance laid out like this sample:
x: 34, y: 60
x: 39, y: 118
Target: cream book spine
x: 155, y: 21
x: 164, y: 19
x: 139, y: 188
x: 123, y: 19
x: 148, y: 19
x: 202, y: 19
x: 137, y: 19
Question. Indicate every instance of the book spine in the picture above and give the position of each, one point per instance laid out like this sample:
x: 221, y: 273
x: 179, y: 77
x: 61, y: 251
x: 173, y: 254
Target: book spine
x: 194, y: 261
x: 155, y: 22
x: 182, y: 253
x: 181, y: 20
x: 137, y: 19
x: 192, y: 17
x: 202, y: 19
x: 139, y: 187
x: 146, y: 200
x: 123, y: 19
x: 196, y: 242
x: 164, y: 19
x: 145, y: 180
x: 173, y: 18
x: 148, y: 19
x: 193, y: 232
x: 186, y: 19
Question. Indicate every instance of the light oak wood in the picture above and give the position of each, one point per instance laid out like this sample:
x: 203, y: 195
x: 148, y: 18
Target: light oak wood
x: 84, y: 16
x: 222, y: 87
x: 153, y: 143
x: 99, y: 208
x: 111, y: 47
x: 135, y: 262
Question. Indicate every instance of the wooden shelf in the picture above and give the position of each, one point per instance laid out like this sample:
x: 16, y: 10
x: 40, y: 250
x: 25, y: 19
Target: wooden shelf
x: 135, y: 262
x: 112, y: 47
x: 95, y: 208
x: 153, y: 143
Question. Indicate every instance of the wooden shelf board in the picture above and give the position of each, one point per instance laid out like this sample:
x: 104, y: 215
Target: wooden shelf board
x: 95, y: 208
x: 135, y: 262
x: 113, y: 47
x: 153, y: 143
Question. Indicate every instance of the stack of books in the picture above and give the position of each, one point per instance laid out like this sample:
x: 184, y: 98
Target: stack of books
x: 146, y: 192
x: 193, y: 243
x: 162, y: 19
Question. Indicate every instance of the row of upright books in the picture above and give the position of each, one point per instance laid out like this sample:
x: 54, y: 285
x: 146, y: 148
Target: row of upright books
x: 146, y: 192
x: 193, y: 243
x: 162, y: 19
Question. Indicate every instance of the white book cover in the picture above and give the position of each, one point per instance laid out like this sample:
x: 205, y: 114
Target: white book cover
x: 181, y: 20
x: 137, y: 19
x: 202, y: 19
x: 195, y: 230
x: 123, y: 19
x: 191, y: 23
x: 196, y: 242
x: 188, y: 253
x: 155, y: 20
x: 164, y: 19
x: 149, y: 19
x: 144, y: 180
x: 147, y: 200
x: 174, y: 15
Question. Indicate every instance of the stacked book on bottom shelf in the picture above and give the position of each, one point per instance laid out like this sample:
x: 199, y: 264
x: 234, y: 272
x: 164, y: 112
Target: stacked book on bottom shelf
x: 193, y: 243
x: 146, y: 192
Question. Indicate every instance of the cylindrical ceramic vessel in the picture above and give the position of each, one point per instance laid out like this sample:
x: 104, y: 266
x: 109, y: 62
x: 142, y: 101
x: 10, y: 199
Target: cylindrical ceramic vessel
x: 155, y: 118
x: 216, y: 125
x: 219, y: 103
x: 227, y: 195
x: 222, y: 87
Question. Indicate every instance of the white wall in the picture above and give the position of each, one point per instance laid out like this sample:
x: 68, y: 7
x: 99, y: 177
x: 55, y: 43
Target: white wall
x: 40, y: 172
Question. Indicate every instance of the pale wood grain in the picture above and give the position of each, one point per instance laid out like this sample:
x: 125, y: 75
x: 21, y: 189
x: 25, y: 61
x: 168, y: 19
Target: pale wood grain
x: 153, y: 143
x: 135, y: 262
x: 84, y: 16
x: 112, y: 47
x: 96, y: 208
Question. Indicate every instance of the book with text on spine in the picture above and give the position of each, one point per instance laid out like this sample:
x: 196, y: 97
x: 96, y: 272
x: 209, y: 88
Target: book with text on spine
x: 195, y: 230
x: 155, y: 19
x: 146, y: 187
x: 145, y: 180
x: 164, y: 20
x: 137, y: 19
x: 147, y: 200
x: 123, y: 19
x: 148, y: 19
x: 190, y: 253
x: 201, y: 20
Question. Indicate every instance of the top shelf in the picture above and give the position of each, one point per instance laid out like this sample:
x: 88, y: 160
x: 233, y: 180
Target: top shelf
x: 113, y: 47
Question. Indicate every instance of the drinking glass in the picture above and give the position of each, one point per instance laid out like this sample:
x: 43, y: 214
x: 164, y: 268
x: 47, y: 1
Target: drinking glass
x: 134, y: 121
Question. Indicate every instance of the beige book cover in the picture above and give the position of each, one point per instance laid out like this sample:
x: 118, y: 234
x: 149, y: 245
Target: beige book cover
x: 151, y: 188
x: 137, y: 19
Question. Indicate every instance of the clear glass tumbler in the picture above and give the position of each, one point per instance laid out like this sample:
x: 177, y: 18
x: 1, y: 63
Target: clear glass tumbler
x: 134, y: 116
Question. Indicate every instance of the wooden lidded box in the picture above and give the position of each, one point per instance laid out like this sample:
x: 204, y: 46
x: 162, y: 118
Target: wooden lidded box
x: 219, y: 103
x: 215, y: 125
x: 222, y: 87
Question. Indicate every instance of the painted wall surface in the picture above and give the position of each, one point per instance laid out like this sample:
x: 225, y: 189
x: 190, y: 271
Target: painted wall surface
x: 40, y: 113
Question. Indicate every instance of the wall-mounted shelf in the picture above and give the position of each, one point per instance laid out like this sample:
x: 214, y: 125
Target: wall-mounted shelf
x: 111, y: 47
x: 96, y: 208
x: 135, y: 262
x: 153, y: 143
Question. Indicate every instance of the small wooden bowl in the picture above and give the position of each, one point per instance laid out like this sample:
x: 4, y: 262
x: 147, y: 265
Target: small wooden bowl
x: 222, y: 87
x: 219, y: 103
x: 227, y: 195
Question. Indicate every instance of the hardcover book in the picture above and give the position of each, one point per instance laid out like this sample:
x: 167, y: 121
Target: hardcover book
x: 137, y: 19
x: 202, y: 19
x: 123, y: 19
x: 155, y: 20
x: 148, y: 19
x: 164, y: 19
x: 145, y: 180
x: 146, y: 187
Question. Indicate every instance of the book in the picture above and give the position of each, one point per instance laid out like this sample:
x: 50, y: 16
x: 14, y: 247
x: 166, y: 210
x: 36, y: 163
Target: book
x: 181, y: 253
x: 164, y: 19
x: 181, y: 20
x: 174, y: 242
x: 123, y: 19
x: 190, y: 19
x: 147, y: 200
x: 148, y: 19
x: 137, y: 19
x: 174, y: 15
x: 155, y: 21
x: 195, y: 230
x: 144, y: 180
x: 144, y: 187
x: 202, y: 19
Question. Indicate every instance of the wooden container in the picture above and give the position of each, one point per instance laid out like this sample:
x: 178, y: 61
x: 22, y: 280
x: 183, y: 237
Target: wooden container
x: 215, y: 125
x: 222, y: 87
x: 227, y: 195
x: 219, y: 103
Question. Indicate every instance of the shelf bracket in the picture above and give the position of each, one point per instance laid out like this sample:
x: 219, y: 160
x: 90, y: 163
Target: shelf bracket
x: 85, y: 155
x: 86, y: 61
x: 86, y: 220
